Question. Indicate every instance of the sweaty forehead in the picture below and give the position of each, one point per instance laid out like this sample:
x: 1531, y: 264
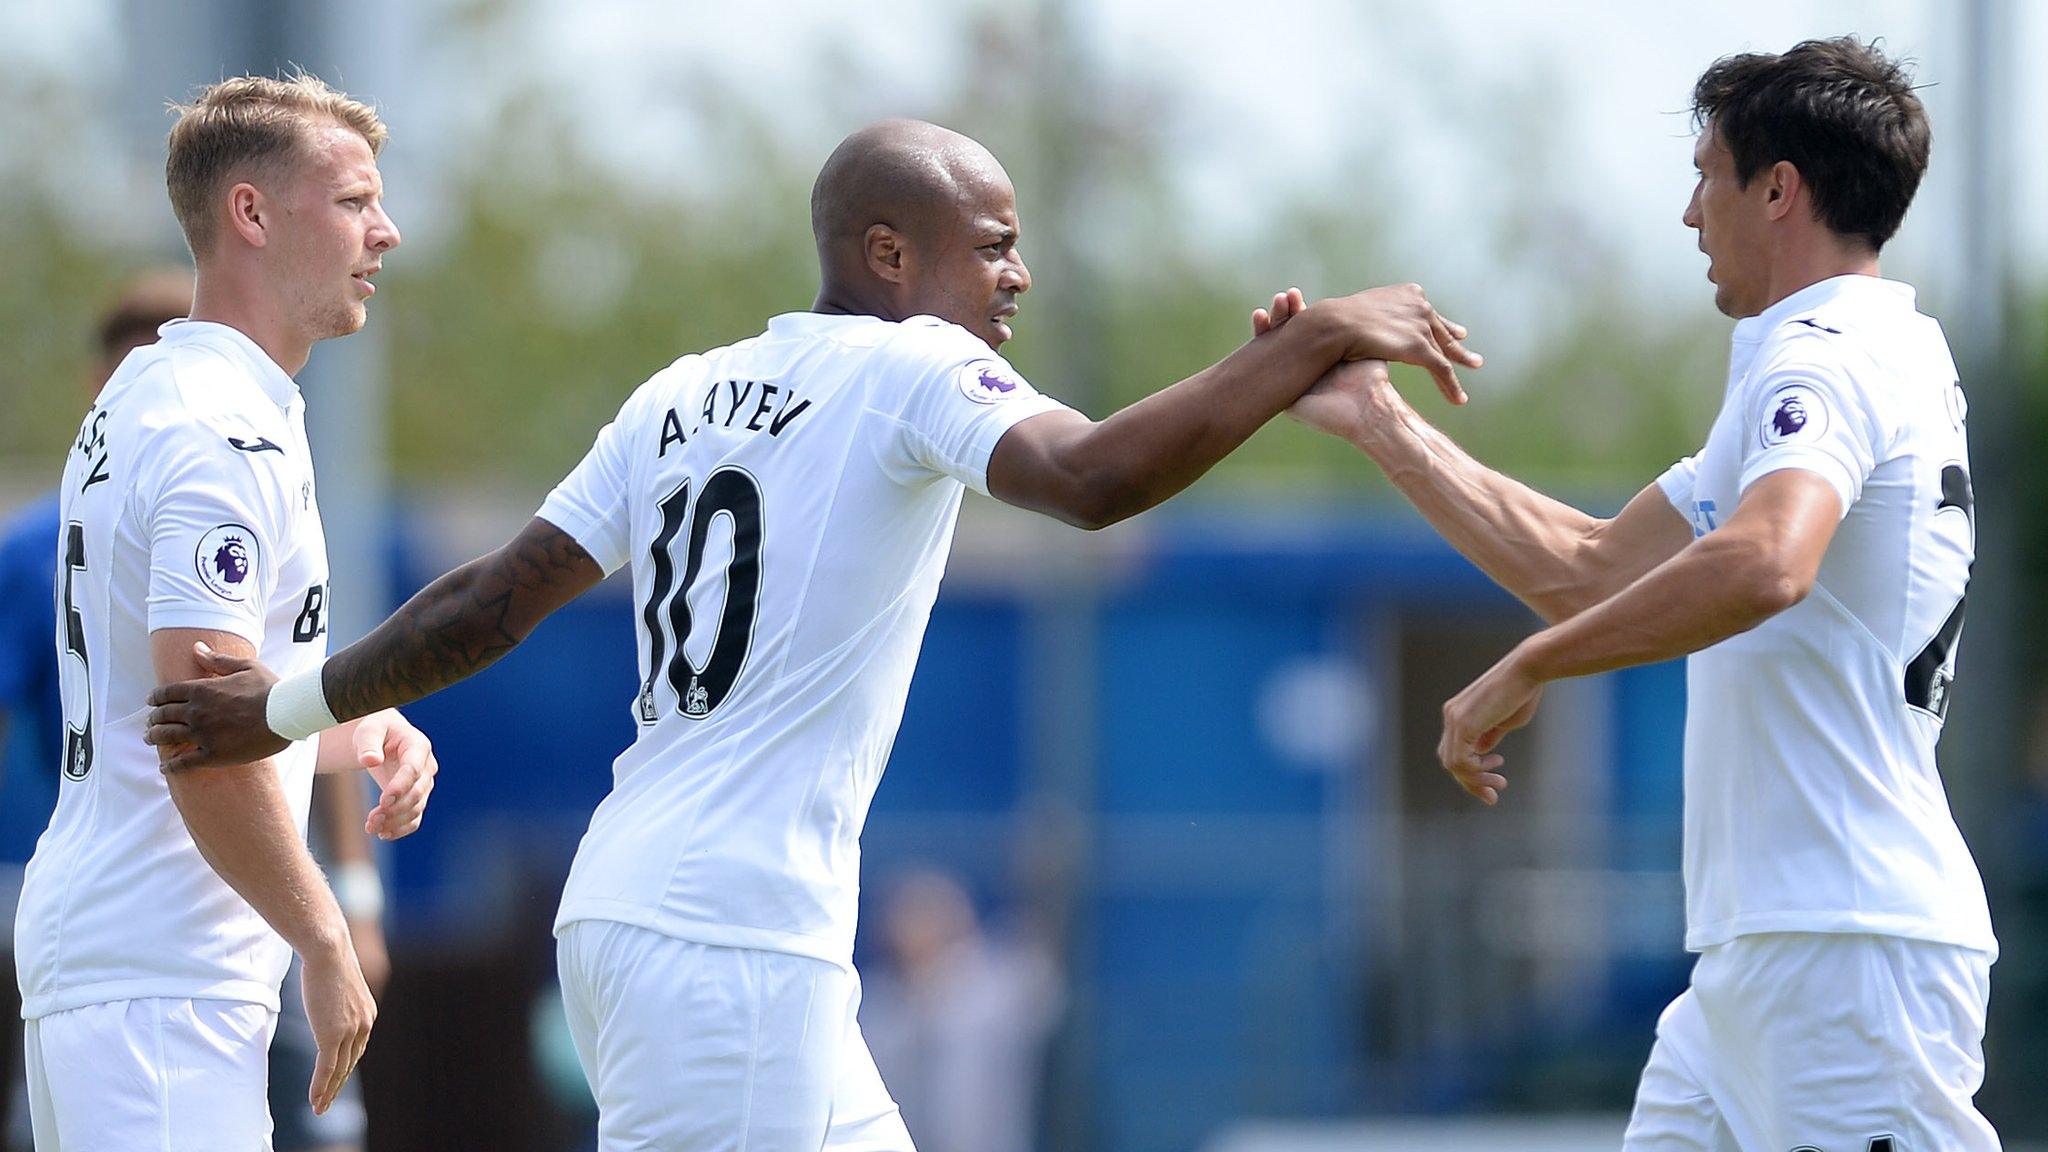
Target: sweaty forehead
x: 984, y: 201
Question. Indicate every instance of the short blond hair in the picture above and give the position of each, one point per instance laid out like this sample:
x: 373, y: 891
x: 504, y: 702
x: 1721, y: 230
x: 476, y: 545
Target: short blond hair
x: 249, y: 121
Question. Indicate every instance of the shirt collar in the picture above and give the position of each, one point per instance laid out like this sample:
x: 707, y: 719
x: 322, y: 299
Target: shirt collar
x: 1852, y: 286
x: 281, y: 388
x: 800, y: 323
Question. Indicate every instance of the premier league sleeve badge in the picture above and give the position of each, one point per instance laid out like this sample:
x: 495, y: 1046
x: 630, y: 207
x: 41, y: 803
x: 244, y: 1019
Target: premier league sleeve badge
x: 1794, y: 413
x: 228, y: 558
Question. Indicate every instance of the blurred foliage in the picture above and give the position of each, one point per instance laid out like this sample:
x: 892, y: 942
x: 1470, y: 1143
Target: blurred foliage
x: 56, y: 282
x: 556, y: 281
x: 58, y: 274
x: 547, y: 305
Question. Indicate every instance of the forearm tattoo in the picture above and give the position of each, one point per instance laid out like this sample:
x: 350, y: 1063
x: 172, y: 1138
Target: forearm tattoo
x: 460, y: 624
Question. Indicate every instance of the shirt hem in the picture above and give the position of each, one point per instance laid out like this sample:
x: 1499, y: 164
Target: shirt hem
x: 84, y: 995
x: 1909, y: 927
x: 983, y: 449
x: 1838, y: 475
x: 585, y: 530
x: 215, y: 621
x: 706, y: 932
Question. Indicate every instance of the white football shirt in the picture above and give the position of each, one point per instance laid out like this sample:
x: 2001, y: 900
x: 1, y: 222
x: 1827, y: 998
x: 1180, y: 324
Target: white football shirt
x: 787, y: 504
x: 187, y: 503
x: 1812, y: 801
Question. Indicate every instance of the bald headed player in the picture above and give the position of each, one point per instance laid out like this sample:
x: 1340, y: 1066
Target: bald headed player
x: 786, y: 505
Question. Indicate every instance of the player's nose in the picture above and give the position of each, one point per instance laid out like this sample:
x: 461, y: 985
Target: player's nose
x: 384, y: 235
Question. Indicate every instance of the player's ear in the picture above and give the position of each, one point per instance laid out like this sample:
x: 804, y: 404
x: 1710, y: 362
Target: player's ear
x: 883, y: 250
x: 248, y: 213
x: 1782, y: 184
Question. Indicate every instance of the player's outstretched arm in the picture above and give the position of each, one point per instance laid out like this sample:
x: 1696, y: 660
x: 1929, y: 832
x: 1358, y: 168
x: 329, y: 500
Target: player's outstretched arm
x: 1761, y: 562
x: 462, y: 623
x: 1556, y: 559
x: 1092, y: 474
x: 453, y: 628
x: 244, y: 829
x: 397, y: 755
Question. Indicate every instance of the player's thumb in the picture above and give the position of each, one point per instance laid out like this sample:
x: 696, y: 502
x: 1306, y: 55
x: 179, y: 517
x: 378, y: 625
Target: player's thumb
x: 219, y: 663
x: 369, y: 740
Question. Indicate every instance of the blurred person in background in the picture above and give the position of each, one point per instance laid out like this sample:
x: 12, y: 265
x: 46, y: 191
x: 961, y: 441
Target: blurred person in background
x: 159, y: 914
x: 336, y: 836
x: 960, y: 1019
x: 31, y: 711
x: 1811, y: 560
x: 786, y: 505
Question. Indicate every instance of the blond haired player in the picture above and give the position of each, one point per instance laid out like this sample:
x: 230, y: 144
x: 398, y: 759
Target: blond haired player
x: 159, y: 911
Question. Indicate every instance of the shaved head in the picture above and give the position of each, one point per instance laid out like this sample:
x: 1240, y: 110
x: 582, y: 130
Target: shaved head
x: 914, y: 219
x: 907, y: 174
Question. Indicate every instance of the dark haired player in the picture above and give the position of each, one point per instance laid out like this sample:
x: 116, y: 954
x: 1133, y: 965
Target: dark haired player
x: 1811, y: 560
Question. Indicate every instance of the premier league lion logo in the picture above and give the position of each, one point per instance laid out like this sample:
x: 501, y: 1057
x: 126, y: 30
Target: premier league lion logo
x: 1790, y: 417
x: 1794, y: 412
x: 986, y: 382
x: 231, y: 560
x: 226, y: 559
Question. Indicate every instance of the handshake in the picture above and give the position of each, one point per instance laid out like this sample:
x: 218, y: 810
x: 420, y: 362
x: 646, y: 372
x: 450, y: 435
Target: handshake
x: 1376, y: 326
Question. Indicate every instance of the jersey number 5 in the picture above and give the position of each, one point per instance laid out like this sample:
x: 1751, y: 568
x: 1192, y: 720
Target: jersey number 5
x: 735, y: 495
x: 76, y: 681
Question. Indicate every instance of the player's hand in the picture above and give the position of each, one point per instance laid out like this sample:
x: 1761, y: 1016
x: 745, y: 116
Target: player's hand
x: 1286, y: 306
x: 1475, y: 720
x: 1343, y: 400
x: 205, y: 723
x: 1398, y: 323
x: 401, y: 759
x: 342, y: 1011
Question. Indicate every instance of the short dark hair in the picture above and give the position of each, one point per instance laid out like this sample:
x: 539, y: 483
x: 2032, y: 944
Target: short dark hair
x: 1838, y: 110
x: 146, y: 301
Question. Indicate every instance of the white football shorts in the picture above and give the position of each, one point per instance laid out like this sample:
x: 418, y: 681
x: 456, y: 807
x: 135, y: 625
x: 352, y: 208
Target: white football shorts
x: 696, y: 1048
x: 155, y: 1075
x: 1792, y: 1042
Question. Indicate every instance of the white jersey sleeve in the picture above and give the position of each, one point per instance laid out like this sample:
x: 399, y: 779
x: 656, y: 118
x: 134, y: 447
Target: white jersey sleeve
x: 963, y: 398
x: 1676, y: 483
x: 1803, y: 412
x: 591, y: 503
x: 216, y: 530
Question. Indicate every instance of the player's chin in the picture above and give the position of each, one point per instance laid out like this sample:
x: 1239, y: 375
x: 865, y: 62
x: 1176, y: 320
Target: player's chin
x: 1724, y: 301
x: 350, y: 319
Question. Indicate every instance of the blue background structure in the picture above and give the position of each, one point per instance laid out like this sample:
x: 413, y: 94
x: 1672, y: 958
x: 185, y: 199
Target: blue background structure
x: 1220, y: 954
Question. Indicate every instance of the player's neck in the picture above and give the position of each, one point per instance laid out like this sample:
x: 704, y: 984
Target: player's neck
x: 253, y: 313
x: 1802, y: 264
x: 839, y: 300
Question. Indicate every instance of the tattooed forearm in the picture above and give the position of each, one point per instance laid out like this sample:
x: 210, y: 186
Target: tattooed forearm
x: 461, y: 623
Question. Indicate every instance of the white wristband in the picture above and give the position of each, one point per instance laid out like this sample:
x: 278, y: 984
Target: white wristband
x: 297, y: 707
x: 359, y: 890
